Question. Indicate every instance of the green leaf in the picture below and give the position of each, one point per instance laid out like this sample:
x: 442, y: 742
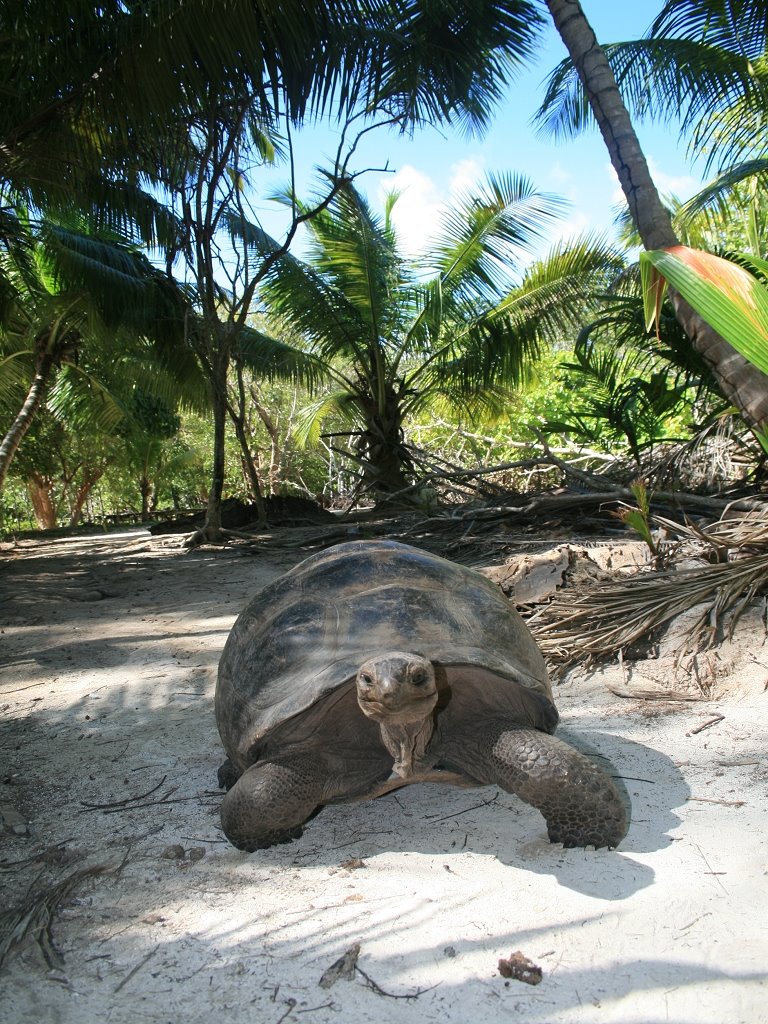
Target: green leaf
x: 732, y: 301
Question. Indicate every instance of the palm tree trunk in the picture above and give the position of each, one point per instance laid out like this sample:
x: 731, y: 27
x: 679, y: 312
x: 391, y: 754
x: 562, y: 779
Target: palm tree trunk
x: 28, y: 411
x: 739, y: 381
x: 145, y: 489
x: 383, y: 454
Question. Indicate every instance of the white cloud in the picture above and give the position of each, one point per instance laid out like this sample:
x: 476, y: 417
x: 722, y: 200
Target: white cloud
x: 419, y: 210
x: 681, y: 185
x: 567, y: 230
x: 560, y: 177
x: 465, y: 176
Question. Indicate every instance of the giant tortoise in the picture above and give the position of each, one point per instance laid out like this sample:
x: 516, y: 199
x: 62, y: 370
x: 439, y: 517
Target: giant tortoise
x: 373, y: 665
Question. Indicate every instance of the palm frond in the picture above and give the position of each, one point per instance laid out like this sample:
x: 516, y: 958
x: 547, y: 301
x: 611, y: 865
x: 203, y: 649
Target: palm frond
x: 614, y: 616
x: 15, y: 375
x: 82, y: 400
x: 310, y: 419
x: 258, y: 241
x: 34, y: 915
x: 741, y: 26
x: 178, y: 383
x: 271, y: 358
x: 104, y: 90
x: 454, y: 389
x: 19, y: 271
x: 665, y: 78
x: 716, y: 196
x: 449, y: 62
x: 485, y: 234
x: 559, y: 289
x: 297, y: 292
x: 356, y: 255
x: 119, y: 282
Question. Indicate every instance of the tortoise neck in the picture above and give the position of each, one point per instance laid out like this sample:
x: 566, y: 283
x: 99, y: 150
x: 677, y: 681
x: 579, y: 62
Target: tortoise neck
x: 407, y: 742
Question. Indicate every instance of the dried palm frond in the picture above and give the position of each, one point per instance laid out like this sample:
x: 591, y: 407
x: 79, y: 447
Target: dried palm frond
x: 730, y: 532
x: 613, y: 616
x: 35, y: 915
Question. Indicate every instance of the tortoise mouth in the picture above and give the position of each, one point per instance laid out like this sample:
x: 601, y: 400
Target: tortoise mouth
x: 402, y: 711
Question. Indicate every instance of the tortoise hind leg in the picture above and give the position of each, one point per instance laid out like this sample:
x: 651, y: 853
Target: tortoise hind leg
x: 269, y: 803
x: 580, y: 803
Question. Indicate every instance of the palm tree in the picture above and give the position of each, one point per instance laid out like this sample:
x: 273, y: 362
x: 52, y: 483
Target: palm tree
x: 740, y: 381
x: 185, y: 90
x: 394, y: 340
x: 66, y: 289
x: 701, y: 62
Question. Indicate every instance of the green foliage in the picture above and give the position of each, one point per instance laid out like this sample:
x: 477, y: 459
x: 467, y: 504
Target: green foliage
x: 639, y: 518
x: 733, y: 301
x: 704, y: 60
x: 58, y: 468
x: 395, y: 342
x: 151, y: 415
x: 630, y: 389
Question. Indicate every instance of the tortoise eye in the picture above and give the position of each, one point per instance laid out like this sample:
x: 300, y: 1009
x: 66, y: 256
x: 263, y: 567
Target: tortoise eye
x: 366, y: 678
x: 419, y: 677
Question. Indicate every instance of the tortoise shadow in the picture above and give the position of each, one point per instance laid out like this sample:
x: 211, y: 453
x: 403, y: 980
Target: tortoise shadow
x: 434, y: 820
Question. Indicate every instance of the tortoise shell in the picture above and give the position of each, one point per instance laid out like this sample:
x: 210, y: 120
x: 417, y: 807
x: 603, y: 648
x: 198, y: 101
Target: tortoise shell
x: 304, y: 636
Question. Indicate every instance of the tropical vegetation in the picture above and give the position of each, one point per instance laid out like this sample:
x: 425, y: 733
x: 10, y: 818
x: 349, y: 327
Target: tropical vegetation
x: 397, y: 340
x: 157, y: 344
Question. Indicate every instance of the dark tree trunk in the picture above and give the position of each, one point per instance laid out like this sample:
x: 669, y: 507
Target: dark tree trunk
x: 237, y: 415
x: 21, y: 424
x: 739, y: 381
x: 145, y: 487
x: 212, y: 528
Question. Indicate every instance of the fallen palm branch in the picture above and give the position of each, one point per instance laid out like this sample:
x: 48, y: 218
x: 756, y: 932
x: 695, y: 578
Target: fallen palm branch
x: 613, y: 616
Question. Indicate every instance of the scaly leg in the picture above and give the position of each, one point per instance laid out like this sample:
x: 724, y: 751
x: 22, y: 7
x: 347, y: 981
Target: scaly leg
x: 580, y: 803
x: 270, y: 802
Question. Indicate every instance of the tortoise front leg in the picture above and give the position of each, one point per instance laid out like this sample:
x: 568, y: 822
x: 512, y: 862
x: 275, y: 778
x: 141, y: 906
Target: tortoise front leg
x: 270, y: 802
x: 580, y: 803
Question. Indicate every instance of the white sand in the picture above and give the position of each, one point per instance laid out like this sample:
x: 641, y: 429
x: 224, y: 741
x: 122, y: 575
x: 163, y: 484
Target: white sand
x: 109, y: 653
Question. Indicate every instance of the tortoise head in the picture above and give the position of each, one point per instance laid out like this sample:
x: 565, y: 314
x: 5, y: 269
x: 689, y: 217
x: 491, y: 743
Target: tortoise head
x: 397, y: 688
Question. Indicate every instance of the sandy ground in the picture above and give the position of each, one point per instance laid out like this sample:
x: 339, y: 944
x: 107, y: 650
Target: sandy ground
x: 109, y: 649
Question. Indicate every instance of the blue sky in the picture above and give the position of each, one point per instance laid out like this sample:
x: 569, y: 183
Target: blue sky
x: 432, y: 164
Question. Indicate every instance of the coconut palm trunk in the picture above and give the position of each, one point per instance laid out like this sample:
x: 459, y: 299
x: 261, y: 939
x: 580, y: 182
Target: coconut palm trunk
x: 382, y: 451
x: 739, y: 381
x: 212, y: 531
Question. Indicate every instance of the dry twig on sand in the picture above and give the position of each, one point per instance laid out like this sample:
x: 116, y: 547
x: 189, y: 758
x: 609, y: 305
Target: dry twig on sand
x: 35, y: 915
